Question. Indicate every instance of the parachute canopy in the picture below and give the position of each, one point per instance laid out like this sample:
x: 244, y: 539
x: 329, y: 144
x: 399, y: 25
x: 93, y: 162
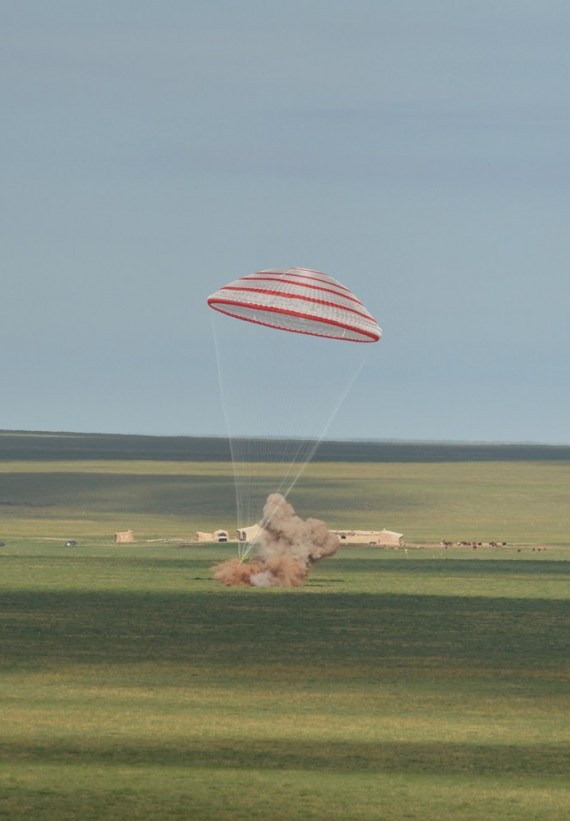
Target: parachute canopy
x: 298, y: 300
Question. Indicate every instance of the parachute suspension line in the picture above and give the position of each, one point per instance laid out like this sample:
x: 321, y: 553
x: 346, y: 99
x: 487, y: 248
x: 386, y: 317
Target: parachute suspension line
x: 269, y: 464
x: 300, y: 460
x: 265, y: 463
x: 246, y: 452
x: 245, y: 548
x: 225, y: 412
x: 285, y: 490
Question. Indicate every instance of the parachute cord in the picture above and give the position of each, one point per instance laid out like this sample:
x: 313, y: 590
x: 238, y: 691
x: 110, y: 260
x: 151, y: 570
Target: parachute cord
x: 326, y: 426
x: 302, y: 452
x: 257, y: 459
x: 226, y: 418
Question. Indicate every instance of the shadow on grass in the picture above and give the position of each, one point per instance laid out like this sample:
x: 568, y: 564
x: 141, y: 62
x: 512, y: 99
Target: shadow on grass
x: 117, y: 493
x: 343, y: 566
x: 454, y: 567
x: 230, y: 630
x: 277, y: 754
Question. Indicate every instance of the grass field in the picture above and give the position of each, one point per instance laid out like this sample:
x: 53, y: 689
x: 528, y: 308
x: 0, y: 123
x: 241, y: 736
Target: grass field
x: 517, y: 502
x: 89, y: 486
x: 396, y: 684
x: 421, y: 685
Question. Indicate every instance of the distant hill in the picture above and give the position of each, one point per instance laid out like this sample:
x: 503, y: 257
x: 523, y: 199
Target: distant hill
x: 35, y: 445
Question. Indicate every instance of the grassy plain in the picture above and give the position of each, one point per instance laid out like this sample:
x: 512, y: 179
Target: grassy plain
x: 517, y: 502
x: 395, y: 685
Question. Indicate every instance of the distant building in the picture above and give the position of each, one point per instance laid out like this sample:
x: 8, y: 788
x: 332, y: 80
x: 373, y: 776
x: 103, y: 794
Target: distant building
x: 216, y: 536
x: 125, y: 536
x: 248, y: 534
x: 373, y: 538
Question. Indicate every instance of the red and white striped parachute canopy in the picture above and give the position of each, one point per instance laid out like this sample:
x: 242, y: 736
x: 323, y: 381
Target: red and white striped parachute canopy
x: 298, y: 300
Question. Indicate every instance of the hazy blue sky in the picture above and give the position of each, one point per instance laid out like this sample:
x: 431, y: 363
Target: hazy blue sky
x: 418, y: 152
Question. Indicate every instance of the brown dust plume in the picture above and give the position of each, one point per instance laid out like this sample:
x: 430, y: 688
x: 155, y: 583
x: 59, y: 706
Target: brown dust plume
x: 286, y: 550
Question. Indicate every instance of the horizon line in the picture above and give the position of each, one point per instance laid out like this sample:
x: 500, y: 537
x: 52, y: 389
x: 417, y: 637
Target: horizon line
x: 340, y: 440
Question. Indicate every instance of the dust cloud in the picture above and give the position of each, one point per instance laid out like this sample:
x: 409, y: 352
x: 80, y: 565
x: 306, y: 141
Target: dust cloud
x: 286, y: 549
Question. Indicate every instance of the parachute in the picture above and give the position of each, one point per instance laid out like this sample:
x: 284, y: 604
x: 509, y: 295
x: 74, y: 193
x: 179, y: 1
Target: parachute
x: 281, y: 392
x: 298, y: 300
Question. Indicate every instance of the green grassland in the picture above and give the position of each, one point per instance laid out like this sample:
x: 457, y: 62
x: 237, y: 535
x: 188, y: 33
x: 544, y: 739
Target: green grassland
x: 393, y: 685
x: 397, y: 684
x: 518, y: 502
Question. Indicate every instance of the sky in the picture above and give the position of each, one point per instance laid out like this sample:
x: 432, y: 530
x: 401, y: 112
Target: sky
x: 151, y: 152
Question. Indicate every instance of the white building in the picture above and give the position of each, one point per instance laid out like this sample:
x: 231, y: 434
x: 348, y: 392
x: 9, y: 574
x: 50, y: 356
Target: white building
x: 216, y: 536
x: 248, y: 534
x: 373, y: 538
